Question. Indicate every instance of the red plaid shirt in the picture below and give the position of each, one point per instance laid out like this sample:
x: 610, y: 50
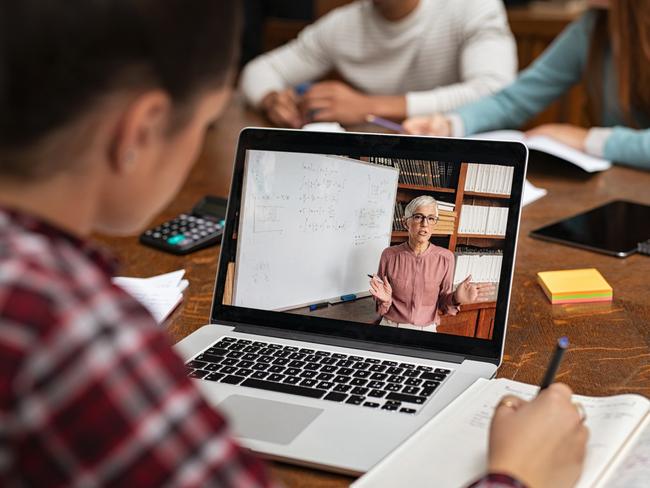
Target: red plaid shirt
x: 91, y: 393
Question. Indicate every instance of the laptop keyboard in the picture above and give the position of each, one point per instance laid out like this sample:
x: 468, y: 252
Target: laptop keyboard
x: 354, y: 380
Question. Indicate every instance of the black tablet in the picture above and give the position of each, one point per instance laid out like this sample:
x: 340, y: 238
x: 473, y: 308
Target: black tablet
x: 614, y: 228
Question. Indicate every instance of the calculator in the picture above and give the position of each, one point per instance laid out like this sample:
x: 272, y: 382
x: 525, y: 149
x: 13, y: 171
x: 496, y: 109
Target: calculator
x: 200, y: 228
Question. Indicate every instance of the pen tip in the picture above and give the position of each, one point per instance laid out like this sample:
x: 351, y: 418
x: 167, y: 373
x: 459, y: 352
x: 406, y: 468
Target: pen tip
x: 563, y: 342
x: 370, y: 118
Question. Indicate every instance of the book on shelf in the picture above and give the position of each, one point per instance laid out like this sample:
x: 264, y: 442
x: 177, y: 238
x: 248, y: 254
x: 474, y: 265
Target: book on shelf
x: 483, y: 220
x: 489, y: 178
x: 544, y: 144
x: 484, y: 265
x: 418, y: 172
x: 618, y: 449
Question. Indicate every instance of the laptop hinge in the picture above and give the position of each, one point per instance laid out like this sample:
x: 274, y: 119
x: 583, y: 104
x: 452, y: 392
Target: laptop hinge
x: 351, y: 343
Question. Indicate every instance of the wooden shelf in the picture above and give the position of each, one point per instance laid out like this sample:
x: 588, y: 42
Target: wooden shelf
x: 488, y: 195
x: 479, y: 236
x: 436, y: 189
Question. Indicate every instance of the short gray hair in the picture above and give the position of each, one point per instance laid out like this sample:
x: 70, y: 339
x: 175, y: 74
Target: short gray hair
x: 421, y: 201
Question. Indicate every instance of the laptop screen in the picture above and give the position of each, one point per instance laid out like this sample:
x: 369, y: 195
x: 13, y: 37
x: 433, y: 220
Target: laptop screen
x: 400, y: 240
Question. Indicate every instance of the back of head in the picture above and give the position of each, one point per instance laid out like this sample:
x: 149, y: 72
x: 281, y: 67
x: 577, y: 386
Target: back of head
x: 59, y: 57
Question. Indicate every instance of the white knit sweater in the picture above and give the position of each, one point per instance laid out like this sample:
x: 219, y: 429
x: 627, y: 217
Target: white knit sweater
x: 443, y: 55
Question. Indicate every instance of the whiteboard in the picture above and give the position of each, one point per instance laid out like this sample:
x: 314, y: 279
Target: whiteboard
x: 311, y: 228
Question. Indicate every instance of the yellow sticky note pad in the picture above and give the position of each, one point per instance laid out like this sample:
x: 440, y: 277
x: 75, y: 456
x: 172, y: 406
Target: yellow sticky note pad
x: 575, y: 285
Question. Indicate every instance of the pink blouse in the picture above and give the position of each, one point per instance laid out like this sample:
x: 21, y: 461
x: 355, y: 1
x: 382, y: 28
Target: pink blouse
x: 422, y: 285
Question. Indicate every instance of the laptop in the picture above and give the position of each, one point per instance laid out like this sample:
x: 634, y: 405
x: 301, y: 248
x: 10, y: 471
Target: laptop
x: 296, y: 354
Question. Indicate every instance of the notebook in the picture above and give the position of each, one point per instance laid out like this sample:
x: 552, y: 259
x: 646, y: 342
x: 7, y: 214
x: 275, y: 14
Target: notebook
x: 575, y: 286
x: 295, y: 353
x: 451, y: 450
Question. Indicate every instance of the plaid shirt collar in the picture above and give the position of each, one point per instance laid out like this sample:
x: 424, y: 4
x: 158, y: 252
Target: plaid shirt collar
x: 102, y: 258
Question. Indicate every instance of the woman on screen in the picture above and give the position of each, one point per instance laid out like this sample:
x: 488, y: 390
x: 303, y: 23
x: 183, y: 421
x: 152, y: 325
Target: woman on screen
x: 415, y: 279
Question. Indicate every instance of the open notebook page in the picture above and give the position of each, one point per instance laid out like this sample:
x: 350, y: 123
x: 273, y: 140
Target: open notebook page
x: 451, y: 450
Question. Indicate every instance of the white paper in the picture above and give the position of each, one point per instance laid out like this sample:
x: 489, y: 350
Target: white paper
x: 160, y: 295
x: 531, y: 193
x: 584, y: 161
x: 324, y: 127
x: 451, y: 449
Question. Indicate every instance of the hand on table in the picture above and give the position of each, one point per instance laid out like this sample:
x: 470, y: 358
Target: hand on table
x: 571, y: 135
x: 433, y: 125
x: 281, y: 107
x: 381, y: 289
x: 468, y: 292
x: 542, y: 442
x: 334, y: 101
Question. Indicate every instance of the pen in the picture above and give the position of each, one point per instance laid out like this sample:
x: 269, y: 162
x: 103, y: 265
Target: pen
x: 554, y: 364
x: 347, y: 298
x: 316, y: 306
x: 378, y: 278
x: 386, y: 124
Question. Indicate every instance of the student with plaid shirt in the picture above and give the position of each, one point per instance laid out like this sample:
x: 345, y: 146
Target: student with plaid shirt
x: 103, y: 105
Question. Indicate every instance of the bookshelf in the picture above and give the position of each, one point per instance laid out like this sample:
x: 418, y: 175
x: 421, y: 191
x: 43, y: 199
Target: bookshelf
x: 482, y: 192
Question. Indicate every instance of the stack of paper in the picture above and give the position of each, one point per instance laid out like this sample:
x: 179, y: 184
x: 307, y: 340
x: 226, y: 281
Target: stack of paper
x: 160, y: 295
x: 575, y: 285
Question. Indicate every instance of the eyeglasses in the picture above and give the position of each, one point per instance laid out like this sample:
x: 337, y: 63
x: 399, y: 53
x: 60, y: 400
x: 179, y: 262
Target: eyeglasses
x: 418, y: 218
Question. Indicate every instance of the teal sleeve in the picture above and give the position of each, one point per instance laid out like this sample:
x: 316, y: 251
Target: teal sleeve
x: 629, y: 146
x: 548, y: 78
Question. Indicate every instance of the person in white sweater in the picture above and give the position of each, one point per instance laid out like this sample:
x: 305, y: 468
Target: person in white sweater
x: 398, y: 58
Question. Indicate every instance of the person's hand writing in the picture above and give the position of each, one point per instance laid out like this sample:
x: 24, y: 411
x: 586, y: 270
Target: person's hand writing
x: 541, y: 443
x: 434, y: 125
x: 468, y: 292
x: 381, y: 289
x: 334, y: 101
x: 571, y: 135
x: 282, y: 108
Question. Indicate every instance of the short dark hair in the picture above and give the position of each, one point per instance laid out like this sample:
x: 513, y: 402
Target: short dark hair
x: 57, y: 57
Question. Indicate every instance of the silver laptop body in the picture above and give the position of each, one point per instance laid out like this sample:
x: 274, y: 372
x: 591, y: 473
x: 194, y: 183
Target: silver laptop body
x: 312, y: 431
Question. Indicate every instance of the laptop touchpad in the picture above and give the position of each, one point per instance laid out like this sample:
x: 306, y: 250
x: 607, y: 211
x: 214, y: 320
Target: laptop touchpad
x: 267, y: 420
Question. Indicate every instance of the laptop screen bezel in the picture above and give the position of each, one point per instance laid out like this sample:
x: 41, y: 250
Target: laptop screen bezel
x: 383, y: 145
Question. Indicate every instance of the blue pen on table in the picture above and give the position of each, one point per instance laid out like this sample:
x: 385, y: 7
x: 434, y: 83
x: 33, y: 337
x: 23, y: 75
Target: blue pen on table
x: 554, y: 364
x: 316, y: 306
x: 386, y: 124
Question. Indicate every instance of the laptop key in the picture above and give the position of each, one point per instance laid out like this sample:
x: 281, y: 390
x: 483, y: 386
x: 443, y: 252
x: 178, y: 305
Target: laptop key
x: 281, y: 361
x: 396, y: 379
x: 345, y: 371
x: 376, y: 384
x: 389, y: 406
x: 312, y: 366
x: 265, y: 359
x: 260, y: 366
x: 342, y: 388
x: 378, y: 368
x: 372, y: 360
x: 296, y: 364
x: 292, y: 371
x: 259, y: 375
x: 229, y: 361
x: 291, y: 380
x: 325, y: 376
x: 432, y: 376
x: 244, y: 372
x: 325, y: 385
x: 339, y: 355
x: 245, y: 364
x: 410, y: 390
x: 379, y: 376
x: 341, y: 379
x: 335, y: 397
x: 228, y: 369
x: 362, y: 374
x: 355, y: 400
x: 284, y: 388
x: 393, y: 387
x: 401, y: 397
x: 371, y: 404
x: 359, y: 391
x: 213, y: 367
x: 308, y: 382
x: 407, y: 365
x: 361, y: 365
x: 394, y: 370
x: 214, y: 377
x: 232, y: 379
x: 413, y: 382
x: 198, y: 373
x: 216, y: 351
x: 424, y: 368
x: 328, y: 369
x: 322, y: 353
x: 411, y: 373
x: 210, y: 358
x: 358, y: 382
x: 275, y: 377
x: 308, y: 374
x: 427, y: 391
x: 442, y: 371
x: 386, y: 362
x: 329, y: 361
x: 235, y: 354
x: 197, y: 364
x: 276, y: 369
x: 377, y: 393
x: 431, y: 384
x: 407, y: 410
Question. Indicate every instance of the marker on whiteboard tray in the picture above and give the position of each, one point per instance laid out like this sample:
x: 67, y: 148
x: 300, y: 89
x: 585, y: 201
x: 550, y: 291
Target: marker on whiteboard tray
x: 348, y: 298
x: 316, y: 306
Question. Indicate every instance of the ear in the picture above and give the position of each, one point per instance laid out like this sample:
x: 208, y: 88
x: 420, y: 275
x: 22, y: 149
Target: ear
x: 140, y: 130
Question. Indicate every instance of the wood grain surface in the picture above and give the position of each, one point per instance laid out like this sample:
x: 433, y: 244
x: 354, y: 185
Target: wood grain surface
x: 610, y: 342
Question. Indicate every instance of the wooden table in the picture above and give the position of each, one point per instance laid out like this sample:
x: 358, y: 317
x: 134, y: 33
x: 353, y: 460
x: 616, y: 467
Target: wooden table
x: 610, y: 350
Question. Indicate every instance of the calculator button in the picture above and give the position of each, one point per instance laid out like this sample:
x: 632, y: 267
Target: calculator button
x: 156, y: 235
x: 177, y: 239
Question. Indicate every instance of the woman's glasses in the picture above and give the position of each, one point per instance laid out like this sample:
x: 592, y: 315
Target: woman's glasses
x: 418, y: 218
